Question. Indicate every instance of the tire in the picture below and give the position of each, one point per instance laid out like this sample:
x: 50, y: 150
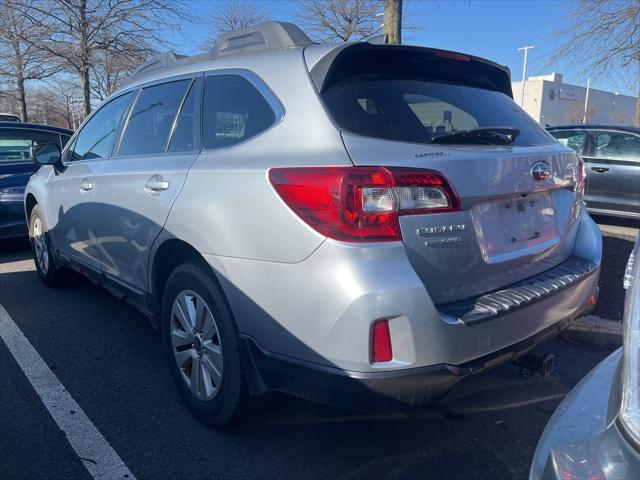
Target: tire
x: 48, y: 271
x: 216, y: 391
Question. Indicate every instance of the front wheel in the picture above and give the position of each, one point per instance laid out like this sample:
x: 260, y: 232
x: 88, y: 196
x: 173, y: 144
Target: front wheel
x: 43, y: 257
x: 200, y: 342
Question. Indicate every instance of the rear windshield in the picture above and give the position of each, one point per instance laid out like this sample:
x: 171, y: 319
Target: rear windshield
x: 415, y: 108
x: 15, y: 144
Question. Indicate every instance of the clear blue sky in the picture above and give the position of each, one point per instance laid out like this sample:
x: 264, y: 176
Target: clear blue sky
x: 488, y: 28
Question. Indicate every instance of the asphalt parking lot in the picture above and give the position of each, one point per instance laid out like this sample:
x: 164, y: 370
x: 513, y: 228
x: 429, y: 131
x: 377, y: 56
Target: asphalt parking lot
x: 107, y: 357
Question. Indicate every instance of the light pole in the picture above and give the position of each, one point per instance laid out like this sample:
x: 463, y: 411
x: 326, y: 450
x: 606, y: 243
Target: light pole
x: 524, y: 72
x: 586, y: 101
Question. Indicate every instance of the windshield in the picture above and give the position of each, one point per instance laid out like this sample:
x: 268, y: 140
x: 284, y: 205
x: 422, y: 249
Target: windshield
x: 413, y: 109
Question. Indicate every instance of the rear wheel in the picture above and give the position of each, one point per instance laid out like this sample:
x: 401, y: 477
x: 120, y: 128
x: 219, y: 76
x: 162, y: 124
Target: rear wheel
x: 200, y: 342
x: 43, y: 257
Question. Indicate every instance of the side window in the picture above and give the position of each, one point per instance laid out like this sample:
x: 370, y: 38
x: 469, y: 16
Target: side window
x: 233, y: 111
x: 151, y: 119
x: 618, y: 145
x: 96, y: 138
x: 185, y: 135
x: 439, y: 117
x: 15, y: 144
x: 575, y: 139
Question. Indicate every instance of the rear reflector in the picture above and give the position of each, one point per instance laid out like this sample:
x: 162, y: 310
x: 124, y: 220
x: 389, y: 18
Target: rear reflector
x: 362, y: 204
x: 381, y: 350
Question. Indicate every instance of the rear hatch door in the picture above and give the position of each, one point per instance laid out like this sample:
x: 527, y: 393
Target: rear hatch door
x: 411, y: 107
x: 510, y: 227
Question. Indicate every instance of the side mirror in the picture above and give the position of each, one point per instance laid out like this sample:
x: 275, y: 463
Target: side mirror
x: 46, y: 154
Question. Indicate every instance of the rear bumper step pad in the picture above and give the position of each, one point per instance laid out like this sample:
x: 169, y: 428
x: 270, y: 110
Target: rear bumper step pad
x: 491, y: 305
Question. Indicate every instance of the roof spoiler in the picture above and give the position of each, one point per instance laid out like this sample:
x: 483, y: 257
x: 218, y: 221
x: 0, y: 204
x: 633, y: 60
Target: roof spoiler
x: 349, y: 54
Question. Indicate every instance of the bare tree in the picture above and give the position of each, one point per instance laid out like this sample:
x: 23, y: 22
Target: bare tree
x: 231, y: 15
x: 45, y: 106
x: 393, y: 21
x: 603, y: 37
x: 77, y: 30
x: 69, y: 101
x: 8, y: 101
x: 20, y: 60
x: 341, y: 20
x: 110, y: 68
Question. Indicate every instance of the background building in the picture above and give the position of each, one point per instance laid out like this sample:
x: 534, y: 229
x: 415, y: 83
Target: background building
x: 552, y: 102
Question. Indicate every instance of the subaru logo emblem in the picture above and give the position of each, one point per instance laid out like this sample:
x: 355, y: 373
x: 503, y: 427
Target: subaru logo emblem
x: 540, y: 171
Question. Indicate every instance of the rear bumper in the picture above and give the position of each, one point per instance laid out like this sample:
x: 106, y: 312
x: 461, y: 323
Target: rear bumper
x: 320, y: 310
x: 267, y: 371
x: 489, y: 306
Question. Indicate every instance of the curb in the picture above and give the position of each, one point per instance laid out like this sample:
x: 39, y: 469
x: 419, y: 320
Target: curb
x: 592, y: 330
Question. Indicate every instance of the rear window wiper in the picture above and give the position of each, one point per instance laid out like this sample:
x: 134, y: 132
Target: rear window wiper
x: 486, y: 135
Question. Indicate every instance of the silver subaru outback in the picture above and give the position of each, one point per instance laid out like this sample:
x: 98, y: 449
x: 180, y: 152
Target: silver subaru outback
x: 358, y: 224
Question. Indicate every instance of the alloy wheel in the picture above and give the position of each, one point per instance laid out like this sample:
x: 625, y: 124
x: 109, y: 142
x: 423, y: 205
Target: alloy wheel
x: 196, y: 344
x: 40, y: 245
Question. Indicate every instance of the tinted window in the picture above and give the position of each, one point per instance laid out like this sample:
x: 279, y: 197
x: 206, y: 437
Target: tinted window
x: 575, y: 139
x: 185, y: 136
x: 96, y: 138
x: 618, y: 145
x: 412, y: 109
x: 438, y: 116
x: 9, y: 118
x: 15, y: 145
x: 233, y: 111
x: 151, y: 119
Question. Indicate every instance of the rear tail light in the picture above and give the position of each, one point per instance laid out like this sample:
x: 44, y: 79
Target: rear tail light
x: 362, y: 204
x: 381, y: 350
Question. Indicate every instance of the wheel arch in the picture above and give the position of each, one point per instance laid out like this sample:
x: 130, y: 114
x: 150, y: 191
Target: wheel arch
x: 168, y: 254
x: 29, y: 203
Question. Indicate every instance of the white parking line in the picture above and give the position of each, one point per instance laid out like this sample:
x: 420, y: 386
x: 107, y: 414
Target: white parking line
x: 96, y: 454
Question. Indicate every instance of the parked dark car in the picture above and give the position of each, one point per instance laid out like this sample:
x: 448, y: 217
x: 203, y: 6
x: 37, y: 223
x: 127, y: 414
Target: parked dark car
x: 16, y: 167
x: 9, y: 117
x: 612, y: 160
x: 595, y: 432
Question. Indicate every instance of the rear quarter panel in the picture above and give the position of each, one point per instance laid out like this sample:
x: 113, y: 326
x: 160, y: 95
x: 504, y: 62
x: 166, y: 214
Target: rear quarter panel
x: 227, y: 206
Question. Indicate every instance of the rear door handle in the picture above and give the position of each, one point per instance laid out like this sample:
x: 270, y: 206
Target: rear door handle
x: 156, y: 184
x: 600, y: 169
x: 86, y: 184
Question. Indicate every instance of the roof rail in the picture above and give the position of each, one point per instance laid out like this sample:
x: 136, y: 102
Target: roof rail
x: 264, y: 36
x: 155, y: 63
x: 261, y: 37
